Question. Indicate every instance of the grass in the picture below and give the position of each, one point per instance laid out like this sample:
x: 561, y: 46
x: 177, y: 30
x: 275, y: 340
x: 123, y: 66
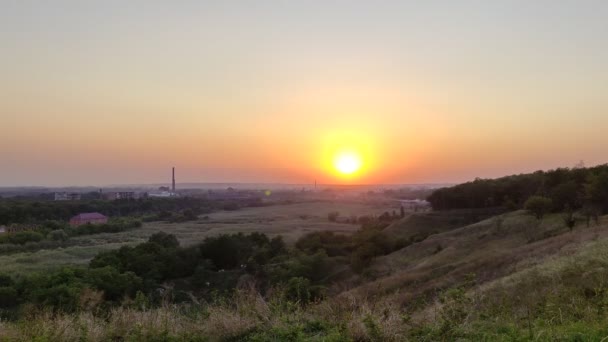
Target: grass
x: 490, y: 249
x: 507, y: 278
x: 247, y: 317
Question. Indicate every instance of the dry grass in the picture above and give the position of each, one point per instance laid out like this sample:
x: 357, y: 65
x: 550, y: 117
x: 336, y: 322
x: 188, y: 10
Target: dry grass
x: 247, y: 314
x: 485, y: 249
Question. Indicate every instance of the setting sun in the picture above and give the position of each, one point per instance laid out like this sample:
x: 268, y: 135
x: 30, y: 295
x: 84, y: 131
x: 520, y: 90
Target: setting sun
x: 347, y: 163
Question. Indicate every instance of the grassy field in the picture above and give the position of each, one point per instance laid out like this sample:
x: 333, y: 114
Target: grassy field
x: 291, y: 221
x: 532, y: 281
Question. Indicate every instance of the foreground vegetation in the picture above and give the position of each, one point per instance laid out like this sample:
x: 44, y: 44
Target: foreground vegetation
x: 543, y: 303
x: 252, y: 288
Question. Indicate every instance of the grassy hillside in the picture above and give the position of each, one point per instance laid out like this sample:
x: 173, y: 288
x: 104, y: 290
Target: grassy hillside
x: 507, y: 277
x: 418, y: 226
x: 489, y: 249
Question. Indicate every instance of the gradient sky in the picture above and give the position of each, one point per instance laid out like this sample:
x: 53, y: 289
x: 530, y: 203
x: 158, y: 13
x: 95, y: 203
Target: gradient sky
x: 117, y: 92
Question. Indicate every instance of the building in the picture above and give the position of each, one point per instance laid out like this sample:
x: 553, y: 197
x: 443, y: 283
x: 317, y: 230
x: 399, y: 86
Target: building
x: 120, y: 195
x: 162, y: 194
x: 67, y: 196
x: 88, y: 218
x: 415, y: 204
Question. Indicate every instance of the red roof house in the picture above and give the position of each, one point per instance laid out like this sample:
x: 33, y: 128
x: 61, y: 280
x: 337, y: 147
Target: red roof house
x: 92, y: 218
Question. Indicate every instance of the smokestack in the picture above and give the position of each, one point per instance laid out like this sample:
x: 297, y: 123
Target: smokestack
x: 173, y: 187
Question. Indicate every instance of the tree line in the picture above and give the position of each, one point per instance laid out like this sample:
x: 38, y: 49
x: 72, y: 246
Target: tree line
x: 182, y: 208
x: 562, y: 189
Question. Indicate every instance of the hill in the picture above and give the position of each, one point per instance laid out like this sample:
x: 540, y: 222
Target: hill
x: 418, y: 226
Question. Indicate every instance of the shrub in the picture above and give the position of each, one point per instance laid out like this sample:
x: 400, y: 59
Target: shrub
x: 298, y: 290
x: 539, y: 206
x: 333, y: 216
x: 57, y: 235
x: 21, y: 238
x: 8, y: 297
x: 333, y: 244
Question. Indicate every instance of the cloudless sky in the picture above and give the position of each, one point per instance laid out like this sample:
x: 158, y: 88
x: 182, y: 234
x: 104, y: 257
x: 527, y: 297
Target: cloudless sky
x: 117, y: 92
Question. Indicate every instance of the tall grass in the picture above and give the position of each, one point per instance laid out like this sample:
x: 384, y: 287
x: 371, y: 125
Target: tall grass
x: 246, y: 316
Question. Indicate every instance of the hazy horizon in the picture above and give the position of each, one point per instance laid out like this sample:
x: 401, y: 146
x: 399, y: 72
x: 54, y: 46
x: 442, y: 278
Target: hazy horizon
x: 268, y: 91
x: 224, y: 185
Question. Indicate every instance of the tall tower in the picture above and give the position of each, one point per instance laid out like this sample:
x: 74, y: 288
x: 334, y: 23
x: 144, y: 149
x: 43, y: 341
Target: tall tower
x: 173, y: 187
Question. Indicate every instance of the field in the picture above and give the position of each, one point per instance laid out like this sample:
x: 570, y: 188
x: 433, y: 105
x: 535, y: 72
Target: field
x: 508, y: 277
x: 291, y: 221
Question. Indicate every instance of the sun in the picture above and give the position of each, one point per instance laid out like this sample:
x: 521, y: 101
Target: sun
x: 347, y: 163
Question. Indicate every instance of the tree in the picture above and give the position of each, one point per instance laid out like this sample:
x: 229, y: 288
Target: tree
x: 569, y: 219
x: 566, y: 195
x: 114, y: 285
x: 597, y: 190
x: 539, y: 206
x: 165, y: 240
x: 591, y: 212
x: 333, y: 216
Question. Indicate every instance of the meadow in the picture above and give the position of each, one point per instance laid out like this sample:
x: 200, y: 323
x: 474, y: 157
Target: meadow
x: 288, y: 220
x: 506, y: 278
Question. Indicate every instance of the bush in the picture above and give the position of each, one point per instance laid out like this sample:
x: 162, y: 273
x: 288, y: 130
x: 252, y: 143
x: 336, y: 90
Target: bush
x: 301, y: 290
x: 333, y: 216
x: 21, y: 238
x: 57, y: 235
x: 333, y: 244
x: 539, y: 206
x: 8, y: 297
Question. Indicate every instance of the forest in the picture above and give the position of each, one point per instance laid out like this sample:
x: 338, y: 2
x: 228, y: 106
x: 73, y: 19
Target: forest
x: 567, y: 189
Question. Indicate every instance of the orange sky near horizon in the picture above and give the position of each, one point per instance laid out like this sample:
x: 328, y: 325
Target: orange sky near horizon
x: 114, y: 93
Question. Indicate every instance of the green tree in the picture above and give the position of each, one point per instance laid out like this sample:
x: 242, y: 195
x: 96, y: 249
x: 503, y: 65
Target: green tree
x: 114, y: 285
x: 539, y: 206
x: 596, y: 190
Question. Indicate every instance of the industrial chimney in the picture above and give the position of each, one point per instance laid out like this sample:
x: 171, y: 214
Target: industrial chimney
x: 173, y: 187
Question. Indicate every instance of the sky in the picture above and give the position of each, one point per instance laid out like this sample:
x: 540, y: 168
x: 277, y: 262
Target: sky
x: 118, y: 92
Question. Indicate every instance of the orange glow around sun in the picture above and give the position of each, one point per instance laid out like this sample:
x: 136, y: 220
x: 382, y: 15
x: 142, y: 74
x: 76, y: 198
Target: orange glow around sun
x: 347, y: 156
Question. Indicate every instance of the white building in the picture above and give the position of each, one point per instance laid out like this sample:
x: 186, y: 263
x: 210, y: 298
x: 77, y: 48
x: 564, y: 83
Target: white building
x: 67, y: 196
